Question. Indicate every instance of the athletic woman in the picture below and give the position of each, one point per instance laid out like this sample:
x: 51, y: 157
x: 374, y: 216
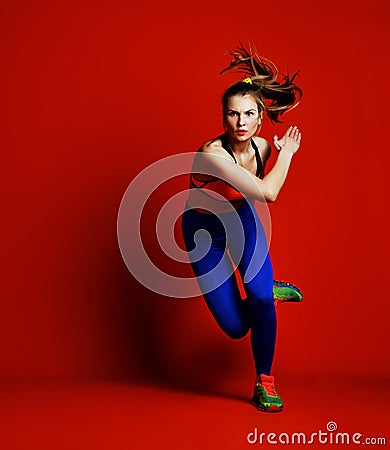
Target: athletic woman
x: 220, y: 226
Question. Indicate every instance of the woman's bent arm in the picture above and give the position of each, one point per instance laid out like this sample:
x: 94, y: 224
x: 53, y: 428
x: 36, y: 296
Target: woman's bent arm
x: 213, y: 161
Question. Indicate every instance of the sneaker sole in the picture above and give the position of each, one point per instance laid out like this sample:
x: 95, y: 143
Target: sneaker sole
x: 270, y: 409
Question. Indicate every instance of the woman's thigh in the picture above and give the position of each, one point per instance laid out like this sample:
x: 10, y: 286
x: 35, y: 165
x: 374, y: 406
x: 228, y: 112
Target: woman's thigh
x: 216, y: 278
x: 252, y: 259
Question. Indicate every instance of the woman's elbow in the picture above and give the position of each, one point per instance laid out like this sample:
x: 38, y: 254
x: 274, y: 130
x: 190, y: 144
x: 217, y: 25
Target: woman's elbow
x: 271, y: 199
x: 270, y: 196
x: 266, y: 191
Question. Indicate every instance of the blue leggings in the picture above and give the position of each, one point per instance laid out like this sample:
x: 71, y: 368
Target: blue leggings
x: 213, y: 242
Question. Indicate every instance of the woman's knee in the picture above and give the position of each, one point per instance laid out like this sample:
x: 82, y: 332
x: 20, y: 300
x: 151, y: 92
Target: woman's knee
x: 261, y: 300
x: 235, y: 332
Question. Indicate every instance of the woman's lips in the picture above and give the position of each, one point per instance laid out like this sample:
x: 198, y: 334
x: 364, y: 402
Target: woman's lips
x: 241, y: 132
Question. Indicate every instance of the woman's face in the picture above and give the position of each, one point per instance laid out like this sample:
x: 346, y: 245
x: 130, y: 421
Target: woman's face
x: 242, y: 118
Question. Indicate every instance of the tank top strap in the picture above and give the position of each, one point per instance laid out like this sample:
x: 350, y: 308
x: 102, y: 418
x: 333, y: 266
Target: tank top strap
x: 226, y: 146
x: 259, y: 163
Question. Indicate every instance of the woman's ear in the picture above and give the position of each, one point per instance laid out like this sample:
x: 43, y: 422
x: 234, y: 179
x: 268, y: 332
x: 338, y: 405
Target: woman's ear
x: 261, y: 114
x: 260, y: 122
x: 224, y: 123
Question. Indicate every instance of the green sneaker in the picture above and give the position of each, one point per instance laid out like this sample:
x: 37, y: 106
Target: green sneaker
x: 286, y: 292
x: 265, y: 397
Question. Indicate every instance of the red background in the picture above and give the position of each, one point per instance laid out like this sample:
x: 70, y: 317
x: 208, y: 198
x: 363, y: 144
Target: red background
x: 93, y: 92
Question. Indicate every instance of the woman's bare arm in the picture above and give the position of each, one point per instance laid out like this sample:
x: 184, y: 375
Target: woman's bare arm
x: 214, y: 161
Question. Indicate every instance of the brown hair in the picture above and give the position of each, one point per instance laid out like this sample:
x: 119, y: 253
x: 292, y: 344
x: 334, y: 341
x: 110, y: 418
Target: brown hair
x: 273, y: 96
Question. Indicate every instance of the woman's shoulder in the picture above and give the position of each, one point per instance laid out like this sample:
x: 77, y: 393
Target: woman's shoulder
x: 264, y: 147
x: 214, y: 146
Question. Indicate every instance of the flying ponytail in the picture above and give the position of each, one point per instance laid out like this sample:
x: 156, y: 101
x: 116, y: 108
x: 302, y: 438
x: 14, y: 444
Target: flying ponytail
x: 275, y: 94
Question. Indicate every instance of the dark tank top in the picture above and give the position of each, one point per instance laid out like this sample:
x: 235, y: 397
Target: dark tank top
x: 227, y: 147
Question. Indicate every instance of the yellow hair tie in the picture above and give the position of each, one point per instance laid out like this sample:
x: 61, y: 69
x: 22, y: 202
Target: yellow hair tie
x: 247, y: 80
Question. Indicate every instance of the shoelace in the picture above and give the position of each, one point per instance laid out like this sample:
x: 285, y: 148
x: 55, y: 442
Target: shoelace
x: 270, y: 389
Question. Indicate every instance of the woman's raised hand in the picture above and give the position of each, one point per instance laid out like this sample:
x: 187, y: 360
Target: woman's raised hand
x: 290, y: 141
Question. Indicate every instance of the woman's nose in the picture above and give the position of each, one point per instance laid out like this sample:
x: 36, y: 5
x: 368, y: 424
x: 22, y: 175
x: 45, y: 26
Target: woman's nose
x: 241, y: 120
